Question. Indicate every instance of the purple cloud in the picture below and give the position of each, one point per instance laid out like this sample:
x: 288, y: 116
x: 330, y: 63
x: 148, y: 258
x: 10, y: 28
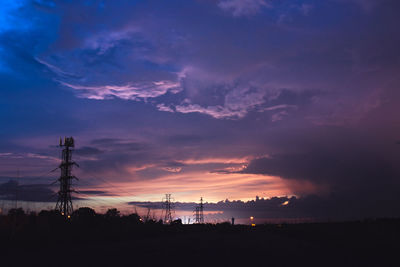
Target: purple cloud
x: 134, y: 91
x: 240, y: 8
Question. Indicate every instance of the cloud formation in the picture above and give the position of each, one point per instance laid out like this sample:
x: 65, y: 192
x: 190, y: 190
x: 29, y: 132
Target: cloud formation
x: 225, y: 99
x: 11, y: 190
x: 128, y: 92
x: 243, y: 7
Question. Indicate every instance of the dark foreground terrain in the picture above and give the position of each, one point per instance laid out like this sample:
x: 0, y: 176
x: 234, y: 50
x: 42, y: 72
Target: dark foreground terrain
x: 48, y: 240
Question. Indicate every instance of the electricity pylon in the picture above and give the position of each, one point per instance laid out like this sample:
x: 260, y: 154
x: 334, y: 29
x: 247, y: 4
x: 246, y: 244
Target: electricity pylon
x: 64, y: 201
x: 199, y: 216
x: 167, y: 209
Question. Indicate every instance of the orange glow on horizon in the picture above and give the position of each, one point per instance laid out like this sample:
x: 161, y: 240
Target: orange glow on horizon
x: 187, y: 187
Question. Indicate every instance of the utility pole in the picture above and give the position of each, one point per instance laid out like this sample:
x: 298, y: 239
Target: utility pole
x: 167, y: 209
x: 64, y: 201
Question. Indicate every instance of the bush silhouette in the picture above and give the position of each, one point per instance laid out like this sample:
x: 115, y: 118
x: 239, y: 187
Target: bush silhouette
x: 112, y: 213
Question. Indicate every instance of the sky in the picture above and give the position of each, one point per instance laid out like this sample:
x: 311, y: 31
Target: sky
x: 294, y: 101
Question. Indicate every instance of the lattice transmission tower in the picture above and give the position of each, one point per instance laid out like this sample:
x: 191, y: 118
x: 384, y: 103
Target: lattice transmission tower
x: 167, y: 209
x: 199, y: 216
x: 64, y: 201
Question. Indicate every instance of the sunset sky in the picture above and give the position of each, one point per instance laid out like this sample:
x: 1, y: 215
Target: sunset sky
x: 220, y: 99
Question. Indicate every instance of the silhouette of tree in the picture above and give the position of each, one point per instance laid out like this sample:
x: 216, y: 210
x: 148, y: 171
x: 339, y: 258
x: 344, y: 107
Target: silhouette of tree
x: 84, y: 212
x: 84, y: 215
x: 177, y: 222
x: 19, y: 212
x: 50, y: 218
x: 49, y: 213
x: 113, y: 213
x: 134, y: 218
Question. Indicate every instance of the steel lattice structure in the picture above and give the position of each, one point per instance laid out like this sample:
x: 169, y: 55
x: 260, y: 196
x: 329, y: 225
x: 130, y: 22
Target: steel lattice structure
x: 167, y: 208
x: 199, y: 216
x: 64, y: 201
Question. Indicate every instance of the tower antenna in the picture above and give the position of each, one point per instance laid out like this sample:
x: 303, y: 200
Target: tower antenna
x: 64, y: 201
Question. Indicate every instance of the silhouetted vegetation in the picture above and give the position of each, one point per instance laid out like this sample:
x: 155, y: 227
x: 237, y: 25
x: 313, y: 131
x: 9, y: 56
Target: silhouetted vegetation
x: 111, y: 239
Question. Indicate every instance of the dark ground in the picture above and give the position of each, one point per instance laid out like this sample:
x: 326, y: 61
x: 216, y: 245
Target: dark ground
x: 125, y: 242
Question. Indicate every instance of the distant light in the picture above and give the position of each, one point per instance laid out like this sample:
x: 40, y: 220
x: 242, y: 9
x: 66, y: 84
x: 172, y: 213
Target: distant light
x: 253, y: 224
x: 62, y: 213
x: 251, y: 218
x: 285, y: 203
x: 69, y: 217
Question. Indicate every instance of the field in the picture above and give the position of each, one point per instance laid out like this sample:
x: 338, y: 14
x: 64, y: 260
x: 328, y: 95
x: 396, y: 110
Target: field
x: 127, y: 242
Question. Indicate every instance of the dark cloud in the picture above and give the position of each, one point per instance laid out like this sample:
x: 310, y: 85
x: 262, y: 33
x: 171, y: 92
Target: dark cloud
x: 105, y: 141
x: 88, y: 151
x: 11, y: 190
x: 122, y: 144
x: 344, y: 167
x: 94, y: 192
x: 321, y: 166
x: 313, y: 207
x: 174, y: 164
x: 187, y: 139
x: 32, y: 192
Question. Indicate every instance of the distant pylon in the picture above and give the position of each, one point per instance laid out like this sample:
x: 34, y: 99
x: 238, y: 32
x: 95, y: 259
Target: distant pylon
x: 167, y: 208
x: 199, y: 216
x: 64, y: 201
